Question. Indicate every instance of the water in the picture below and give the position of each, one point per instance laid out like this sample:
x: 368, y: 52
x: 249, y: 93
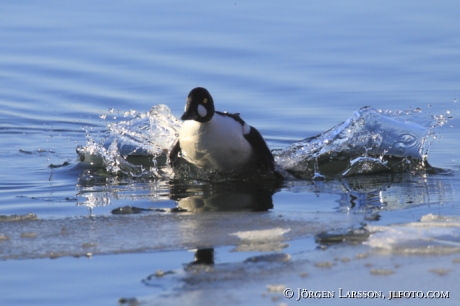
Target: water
x: 72, y: 73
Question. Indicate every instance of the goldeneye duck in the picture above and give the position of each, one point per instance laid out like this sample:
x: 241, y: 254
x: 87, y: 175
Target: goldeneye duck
x: 219, y: 140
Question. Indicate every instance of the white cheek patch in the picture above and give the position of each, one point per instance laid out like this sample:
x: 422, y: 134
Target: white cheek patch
x: 246, y: 129
x: 202, y: 111
x: 185, y: 107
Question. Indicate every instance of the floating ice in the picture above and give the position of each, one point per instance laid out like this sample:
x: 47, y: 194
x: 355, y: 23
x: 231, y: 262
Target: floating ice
x: 14, y: 218
x: 153, y: 230
x: 274, y: 234
x: 261, y: 240
x: 433, y: 235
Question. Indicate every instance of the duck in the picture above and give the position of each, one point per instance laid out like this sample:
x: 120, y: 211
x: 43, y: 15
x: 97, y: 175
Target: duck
x: 217, y: 140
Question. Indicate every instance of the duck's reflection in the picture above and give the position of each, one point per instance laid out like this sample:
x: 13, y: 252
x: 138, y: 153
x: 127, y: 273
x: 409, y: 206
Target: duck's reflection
x: 203, y: 257
x: 225, y: 196
x: 369, y: 193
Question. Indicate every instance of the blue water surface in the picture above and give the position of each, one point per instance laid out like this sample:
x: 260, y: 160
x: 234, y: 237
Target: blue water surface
x: 293, y: 69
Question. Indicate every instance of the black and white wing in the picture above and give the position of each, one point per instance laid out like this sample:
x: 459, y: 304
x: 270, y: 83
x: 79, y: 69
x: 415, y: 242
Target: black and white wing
x: 174, y: 151
x: 260, y: 146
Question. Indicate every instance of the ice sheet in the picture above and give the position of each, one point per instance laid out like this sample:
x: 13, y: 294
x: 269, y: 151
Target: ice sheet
x: 432, y: 235
x: 86, y: 236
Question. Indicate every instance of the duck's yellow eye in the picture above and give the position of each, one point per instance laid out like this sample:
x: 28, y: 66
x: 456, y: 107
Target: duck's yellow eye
x: 205, y: 101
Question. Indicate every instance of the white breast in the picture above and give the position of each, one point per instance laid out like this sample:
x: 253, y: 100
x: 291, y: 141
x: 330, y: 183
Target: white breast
x: 219, y: 143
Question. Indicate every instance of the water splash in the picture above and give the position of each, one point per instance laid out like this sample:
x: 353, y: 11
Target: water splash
x: 146, y: 133
x: 135, y: 147
x: 370, y: 141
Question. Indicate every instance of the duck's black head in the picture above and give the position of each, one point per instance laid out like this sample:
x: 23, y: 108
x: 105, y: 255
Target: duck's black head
x: 200, y: 105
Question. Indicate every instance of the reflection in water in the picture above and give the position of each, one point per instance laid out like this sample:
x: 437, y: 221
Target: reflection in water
x: 100, y: 190
x: 225, y: 196
x: 394, y: 191
x: 193, y: 196
x: 368, y: 194
x: 203, y: 257
x: 205, y: 229
x: 204, y: 270
x: 373, y: 193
